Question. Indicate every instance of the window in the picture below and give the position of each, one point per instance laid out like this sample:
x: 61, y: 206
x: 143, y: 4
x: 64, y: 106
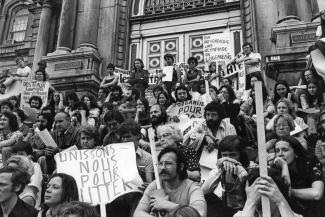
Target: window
x: 157, y: 50
x: 19, y: 26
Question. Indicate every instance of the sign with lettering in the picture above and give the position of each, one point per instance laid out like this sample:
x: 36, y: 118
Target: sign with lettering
x: 68, y: 65
x: 123, y: 75
x: 236, y: 72
x: 191, y: 108
x: 154, y: 76
x: 101, y: 174
x: 31, y: 88
x: 301, y: 38
x: 217, y: 47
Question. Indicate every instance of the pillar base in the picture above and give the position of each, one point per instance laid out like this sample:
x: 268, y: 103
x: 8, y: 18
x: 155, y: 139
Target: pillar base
x: 86, y: 47
x: 60, y: 51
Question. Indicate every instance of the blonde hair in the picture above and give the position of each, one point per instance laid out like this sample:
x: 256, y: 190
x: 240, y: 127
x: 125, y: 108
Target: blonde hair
x: 23, y: 162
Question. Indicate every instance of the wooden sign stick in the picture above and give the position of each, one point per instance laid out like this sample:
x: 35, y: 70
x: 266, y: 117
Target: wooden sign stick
x: 151, y: 135
x: 262, y: 155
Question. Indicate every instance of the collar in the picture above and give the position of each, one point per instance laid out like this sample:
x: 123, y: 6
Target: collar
x: 16, y: 211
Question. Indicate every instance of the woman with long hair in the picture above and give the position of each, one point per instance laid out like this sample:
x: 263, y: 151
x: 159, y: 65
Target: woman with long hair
x: 61, y: 188
x: 304, y: 178
x: 93, y: 109
x: 312, y: 99
x: 282, y: 90
x: 163, y: 99
x: 9, y: 130
x: 56, y: 102
x: 142, y: 114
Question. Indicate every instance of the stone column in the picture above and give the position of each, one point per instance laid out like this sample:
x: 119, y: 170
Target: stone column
x: 89, y: 25
x: 286, y: 8
x: 3, y: 18
x: 43, y: 33
x: 67, y: 26
x: 304, y: 10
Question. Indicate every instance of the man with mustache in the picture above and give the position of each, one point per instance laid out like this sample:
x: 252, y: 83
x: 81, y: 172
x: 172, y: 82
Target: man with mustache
x: 218, y: 127
x: 158, y: 117
x: 177, y: 190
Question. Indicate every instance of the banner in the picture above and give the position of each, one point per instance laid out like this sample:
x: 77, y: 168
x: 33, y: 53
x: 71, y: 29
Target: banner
x: 217, y: 47
x: 191, y: 108
x: 102, y: 174
x: 123, y: 75
x: 31, y: 88
x: 237, y: 73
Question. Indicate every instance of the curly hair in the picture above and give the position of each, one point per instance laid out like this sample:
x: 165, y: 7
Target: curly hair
x: 19, y: 178
x: 182, y: 87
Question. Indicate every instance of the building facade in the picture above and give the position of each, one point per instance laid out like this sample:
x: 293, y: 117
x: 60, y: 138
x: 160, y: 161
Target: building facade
x: 78, y: 38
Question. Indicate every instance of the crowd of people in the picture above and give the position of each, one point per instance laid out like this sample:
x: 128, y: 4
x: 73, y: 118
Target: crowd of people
x: 295, y: 142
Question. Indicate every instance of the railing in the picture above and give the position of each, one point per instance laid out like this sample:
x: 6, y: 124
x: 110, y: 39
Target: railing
x: 163, y: 6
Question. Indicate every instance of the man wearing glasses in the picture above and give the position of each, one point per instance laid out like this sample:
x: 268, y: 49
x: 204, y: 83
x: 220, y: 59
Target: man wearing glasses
x: 177, y: 190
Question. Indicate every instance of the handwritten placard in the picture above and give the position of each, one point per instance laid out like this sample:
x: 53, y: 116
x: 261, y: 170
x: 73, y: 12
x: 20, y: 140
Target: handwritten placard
x: 102, y: 174
x: 217, y: 47
x: 31, y: 88
x: 191, y: 108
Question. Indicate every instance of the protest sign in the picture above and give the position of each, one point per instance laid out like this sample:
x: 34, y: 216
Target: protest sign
x: 123, y: 75
x: 168, y: 72
x: 191, y: 108
x: 101, y: 174
x: 236, y: 72
x: 154, y: 76
x: 217, y: 47
x: 31, y: 88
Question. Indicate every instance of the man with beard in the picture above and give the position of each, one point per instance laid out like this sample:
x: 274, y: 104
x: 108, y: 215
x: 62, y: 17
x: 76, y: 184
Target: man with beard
x: 177, y: 190
x: 218, y: 127
x: 158, y: 117
x: 129, y: 108
x: 35, y: 102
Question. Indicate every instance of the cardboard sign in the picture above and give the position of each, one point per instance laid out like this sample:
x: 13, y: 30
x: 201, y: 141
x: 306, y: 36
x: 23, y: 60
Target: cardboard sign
x: 168, y: 71
x: 31, y: 88
x: 217, y: 47
x: 191, y: 108
x: 102, y: 174
x: 154, y: 76
x: 237, y: 73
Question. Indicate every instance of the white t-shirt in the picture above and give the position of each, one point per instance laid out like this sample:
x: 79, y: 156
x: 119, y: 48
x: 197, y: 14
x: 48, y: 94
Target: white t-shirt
x: 26, y: 72
x: 319, y: 33
x: 255, y: 67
